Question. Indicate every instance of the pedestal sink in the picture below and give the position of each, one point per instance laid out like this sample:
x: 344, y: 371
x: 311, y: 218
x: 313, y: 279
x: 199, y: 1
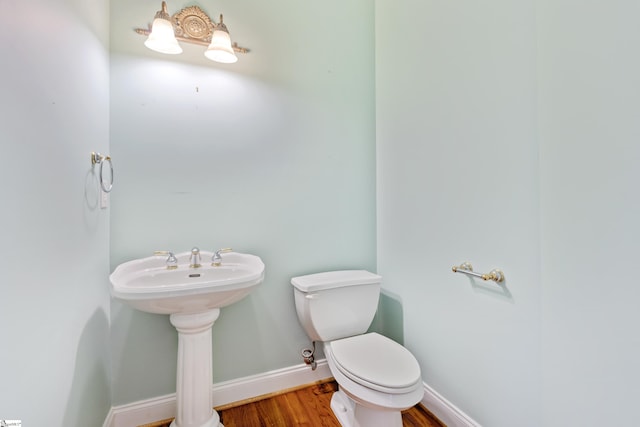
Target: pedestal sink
x: 193, y: 298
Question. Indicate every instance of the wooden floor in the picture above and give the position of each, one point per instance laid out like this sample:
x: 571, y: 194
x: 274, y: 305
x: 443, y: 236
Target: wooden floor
x: 309, y: 407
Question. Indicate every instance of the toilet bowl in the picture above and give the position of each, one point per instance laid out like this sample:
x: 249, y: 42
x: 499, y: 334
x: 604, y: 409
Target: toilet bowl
x: 377, y: 377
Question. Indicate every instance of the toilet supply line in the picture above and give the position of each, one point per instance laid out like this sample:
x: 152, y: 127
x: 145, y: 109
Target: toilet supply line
x: 309, y: 359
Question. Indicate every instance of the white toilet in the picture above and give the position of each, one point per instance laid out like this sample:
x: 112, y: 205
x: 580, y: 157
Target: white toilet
x: 377, y: 377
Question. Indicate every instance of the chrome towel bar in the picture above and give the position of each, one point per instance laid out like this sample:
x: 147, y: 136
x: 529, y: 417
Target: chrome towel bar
x: 466, y: 268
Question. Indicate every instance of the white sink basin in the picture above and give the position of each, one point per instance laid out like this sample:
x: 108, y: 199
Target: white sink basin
x: 147, y: 285
x: 193, y: 298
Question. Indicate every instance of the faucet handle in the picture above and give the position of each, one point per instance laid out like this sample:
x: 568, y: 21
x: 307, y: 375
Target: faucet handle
x: 216, y: 260
x: 172, y: 261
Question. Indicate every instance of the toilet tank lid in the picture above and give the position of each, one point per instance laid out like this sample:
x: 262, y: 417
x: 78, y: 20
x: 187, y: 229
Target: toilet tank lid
x: 334, y: 279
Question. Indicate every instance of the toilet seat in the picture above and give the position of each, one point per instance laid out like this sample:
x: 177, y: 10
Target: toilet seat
x: 377, y: 362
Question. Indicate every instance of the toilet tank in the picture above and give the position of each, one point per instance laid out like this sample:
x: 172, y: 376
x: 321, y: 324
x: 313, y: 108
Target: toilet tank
x: 336, y: 304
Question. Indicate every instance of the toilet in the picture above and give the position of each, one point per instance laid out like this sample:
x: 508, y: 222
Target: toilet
x: 377, y: 377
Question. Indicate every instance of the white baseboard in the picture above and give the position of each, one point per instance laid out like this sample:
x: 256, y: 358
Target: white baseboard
x: 161, y: 408
x: 142, y: 412
x: 444, y: 410
x: 164, y: 407
x: 268, y: 382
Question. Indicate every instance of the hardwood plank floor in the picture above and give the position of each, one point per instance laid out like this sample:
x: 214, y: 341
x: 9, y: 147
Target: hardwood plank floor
x: 304, y: 407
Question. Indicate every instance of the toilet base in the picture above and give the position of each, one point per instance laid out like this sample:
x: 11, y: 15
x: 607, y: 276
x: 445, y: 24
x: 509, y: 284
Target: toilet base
x: 351, y: 414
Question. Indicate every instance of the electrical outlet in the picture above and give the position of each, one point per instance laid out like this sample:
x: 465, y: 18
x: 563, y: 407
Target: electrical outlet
x: 104, y: 199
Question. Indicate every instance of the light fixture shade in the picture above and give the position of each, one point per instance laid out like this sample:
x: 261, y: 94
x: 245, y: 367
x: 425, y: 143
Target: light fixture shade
x: 220, y: 49
x: 162, y: 38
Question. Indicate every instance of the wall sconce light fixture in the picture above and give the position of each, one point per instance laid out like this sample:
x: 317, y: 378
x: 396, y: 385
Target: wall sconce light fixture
x: 190, y: 25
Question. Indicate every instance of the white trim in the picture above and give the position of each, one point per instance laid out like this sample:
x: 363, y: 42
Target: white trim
x: 109, y: 420
x: 161, y: 408
x: 142, y: 412
x: 445, y: 411
x: 268, y: 382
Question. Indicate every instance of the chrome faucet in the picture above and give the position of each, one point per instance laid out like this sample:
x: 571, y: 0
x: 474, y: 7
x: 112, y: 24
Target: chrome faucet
x: 194, y: 260
x: 172, y: 261
x: 216, y: 260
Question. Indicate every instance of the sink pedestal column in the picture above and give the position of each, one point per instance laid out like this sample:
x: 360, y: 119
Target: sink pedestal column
x: 194, y: 397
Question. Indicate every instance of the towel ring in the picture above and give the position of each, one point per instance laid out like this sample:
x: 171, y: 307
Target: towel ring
x: 101, y: 160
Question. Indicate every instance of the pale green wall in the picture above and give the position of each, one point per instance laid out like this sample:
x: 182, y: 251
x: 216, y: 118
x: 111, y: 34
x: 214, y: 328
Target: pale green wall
x: 273, y: 156
x: 589, y: 115
x: 507, y: 136
x: 54, y: 331
x: 457, y: 181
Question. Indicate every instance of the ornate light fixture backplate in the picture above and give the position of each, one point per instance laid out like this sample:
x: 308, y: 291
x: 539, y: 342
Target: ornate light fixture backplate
x: 192, y: 23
